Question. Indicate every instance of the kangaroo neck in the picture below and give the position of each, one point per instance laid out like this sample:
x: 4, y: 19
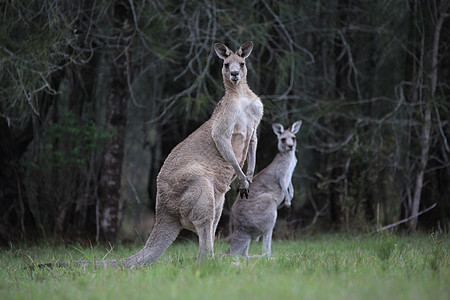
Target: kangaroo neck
x: 232, y: 89
x: 287, y: 155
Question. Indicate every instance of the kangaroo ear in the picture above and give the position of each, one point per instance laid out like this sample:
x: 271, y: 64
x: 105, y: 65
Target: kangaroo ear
x: 245, y: 49
x: 277, y: 128
x: 222, y: 51
x: 296, y: 126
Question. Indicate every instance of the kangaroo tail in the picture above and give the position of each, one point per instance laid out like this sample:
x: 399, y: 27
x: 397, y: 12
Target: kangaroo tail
x: 164, y: 232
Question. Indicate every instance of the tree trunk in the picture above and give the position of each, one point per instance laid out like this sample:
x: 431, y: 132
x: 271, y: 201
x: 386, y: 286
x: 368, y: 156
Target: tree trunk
x: 425, y: 147
x: 14, y: 211
x: 109, y: 189
x: 16, y: 218
x: 426, y: 129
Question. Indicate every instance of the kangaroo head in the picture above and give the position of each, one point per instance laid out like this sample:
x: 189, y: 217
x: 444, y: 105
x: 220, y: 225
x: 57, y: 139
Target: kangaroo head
x: 234, y: 68
x: 286, y: 138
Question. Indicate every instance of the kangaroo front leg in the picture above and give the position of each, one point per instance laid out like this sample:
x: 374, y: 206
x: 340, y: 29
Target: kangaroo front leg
x: 284, y: 190
x: 221, y: 135
x: 289, y: 195
x: 251, y: 157
x: 290, y: 190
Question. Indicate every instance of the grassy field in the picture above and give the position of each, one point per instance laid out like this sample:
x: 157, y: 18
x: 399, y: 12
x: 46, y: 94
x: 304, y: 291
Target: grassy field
x: 318, y: 267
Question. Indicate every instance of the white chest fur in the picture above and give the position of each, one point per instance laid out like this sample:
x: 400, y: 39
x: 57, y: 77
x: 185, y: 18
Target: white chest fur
x: 248, y: 114
x: 292, y: 162
x: 252, y: 107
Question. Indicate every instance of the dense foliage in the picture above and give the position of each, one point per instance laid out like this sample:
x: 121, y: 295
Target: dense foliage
x: 369, y: 79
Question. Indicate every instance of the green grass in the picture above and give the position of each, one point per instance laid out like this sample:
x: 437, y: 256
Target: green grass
x: 319, y: 267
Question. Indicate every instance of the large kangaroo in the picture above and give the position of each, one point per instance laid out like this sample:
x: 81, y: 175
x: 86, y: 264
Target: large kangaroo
x: 256, y: 216
x: 194, y: 178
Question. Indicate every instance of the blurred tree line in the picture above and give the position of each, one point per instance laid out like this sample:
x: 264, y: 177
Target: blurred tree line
x: 95, y: 94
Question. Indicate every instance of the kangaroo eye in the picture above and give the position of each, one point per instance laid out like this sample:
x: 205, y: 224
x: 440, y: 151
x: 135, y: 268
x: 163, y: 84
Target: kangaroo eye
x: 283, y: 140
x: 227, y: 66
x: 242, y: 65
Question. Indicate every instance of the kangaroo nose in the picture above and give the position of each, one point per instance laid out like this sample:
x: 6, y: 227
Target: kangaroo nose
x: 234, y: 73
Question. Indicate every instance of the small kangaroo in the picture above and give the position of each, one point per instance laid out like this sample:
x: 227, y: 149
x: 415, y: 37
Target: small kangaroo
x: 256, y: 216
x: 195, y: 176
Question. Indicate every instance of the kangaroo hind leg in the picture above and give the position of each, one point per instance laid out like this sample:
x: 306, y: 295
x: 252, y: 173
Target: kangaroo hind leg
x: 240, y: 243
x: 205, y: 233
x: 202, y: 216
x: 165, y: 231
x: 220, y: 199
x: 267, y: 236
x: 267, y: 243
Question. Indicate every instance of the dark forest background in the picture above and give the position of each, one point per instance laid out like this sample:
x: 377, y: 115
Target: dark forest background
x: 95, y: 94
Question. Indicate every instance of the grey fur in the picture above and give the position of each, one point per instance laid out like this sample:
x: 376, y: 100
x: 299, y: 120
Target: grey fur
x: 256, y: 216
x: 194, y: 178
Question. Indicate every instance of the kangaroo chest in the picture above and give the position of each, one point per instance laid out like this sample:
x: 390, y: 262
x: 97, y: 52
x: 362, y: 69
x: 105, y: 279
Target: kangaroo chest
x: 248, y: 115
x: 290, y: 169
x: 284, y: 167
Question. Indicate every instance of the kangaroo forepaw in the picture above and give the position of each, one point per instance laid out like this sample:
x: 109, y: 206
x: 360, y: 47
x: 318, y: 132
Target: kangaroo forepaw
x: 244, y: 193
x: 244, y: 188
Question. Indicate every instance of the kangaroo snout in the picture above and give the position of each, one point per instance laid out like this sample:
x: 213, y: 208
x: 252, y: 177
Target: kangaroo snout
x: 234, y: 76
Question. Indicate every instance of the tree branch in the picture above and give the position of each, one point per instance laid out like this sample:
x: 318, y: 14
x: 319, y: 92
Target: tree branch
x: 402, y: 221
